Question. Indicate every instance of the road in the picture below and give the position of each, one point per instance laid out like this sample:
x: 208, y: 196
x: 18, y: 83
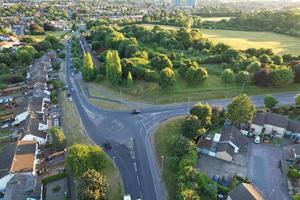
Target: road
x: 129, y: 134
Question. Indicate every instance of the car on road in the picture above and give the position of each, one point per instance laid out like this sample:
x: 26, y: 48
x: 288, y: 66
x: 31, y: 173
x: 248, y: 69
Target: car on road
x: 257, y: 139
x: 136, y: 112
x: 127, y: 197
x: 70, y: 99
x: 72, y: 90
x: 107, y: 145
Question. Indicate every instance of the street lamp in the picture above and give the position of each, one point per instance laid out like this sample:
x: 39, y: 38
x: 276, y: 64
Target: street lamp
x: 162, y: 164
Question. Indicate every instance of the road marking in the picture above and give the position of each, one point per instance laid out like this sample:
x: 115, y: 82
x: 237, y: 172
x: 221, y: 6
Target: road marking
x: 135, y: 167
x: 132, y: 154
x: 138, y: 180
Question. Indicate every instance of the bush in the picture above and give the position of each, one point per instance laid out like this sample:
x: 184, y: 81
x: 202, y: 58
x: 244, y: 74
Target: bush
x: 282, y: 77
x: 263, y: 77
x: 227, y: 76
x: 242, y: 77
x: 297, y: 73
x: 55, y: 177
x: 293, y: 173
x: 297, y: 100
x: 151, y: 76
x: 167, y: 78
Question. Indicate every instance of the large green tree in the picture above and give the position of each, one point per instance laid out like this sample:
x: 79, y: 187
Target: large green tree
x: 88, y: 70
x: 161, y: 61
x: 191, y: 127
x: 57, y: 139
x: 282, y: 77
x: 240, y: 110
x: 93, y: 186
x: 113, y: 67
x: 203, y: 112
x: 167, y: 78
x: 81, y: 157
x: 227, y: 76
x: 195, y: 75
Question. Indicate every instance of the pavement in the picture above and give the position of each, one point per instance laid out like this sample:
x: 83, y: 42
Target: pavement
x: 265, y: 171
x: 136, y: 160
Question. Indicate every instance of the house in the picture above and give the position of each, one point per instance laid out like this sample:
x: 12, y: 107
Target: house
x: 257, y: 124
x: 244, y: 191
x: 207, y: 146
x: 269, y: 124
x: 225, y: 152
x: 233, y: 137
x: 293, y: 131
x: 23, y: 186
x: 222, y: 146
x: 20, y: 159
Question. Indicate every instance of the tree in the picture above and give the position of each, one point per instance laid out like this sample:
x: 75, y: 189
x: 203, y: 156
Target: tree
x: 180, y: 146
x: 81, y: 157
x: 161, y: 61
x: 195, y: 75
x: 297, y: 73
x: 189, y: 194
x: 263, y: 77
x: 227, y: 76
x: 265, y: 59
x: 88, y: 71
x: 204, y: 114
x: 282, y: 77
x: 93, y: 185
x: 297, y: 100
x: 240, y: 110
x: 253, y: 67
x: 270, y: 101
x: 242, y: 77
x: 57, y: 139
x: 166, y: 78
x: 190, y: 127
x: 277, y: 59
x: 113, y: 67
x: 129, y: 80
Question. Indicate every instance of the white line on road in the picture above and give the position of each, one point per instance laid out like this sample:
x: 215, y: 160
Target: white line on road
x: 138, y: 180
x: 135, y: 167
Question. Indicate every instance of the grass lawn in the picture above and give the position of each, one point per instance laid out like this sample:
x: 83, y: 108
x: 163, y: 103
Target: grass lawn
x: 212, y: 88
x: 281, y: 44
x: 162, y: 139
x: 75, y: 134
x: 108, y: 105
x: 39, y: 38
x: 5, y: 132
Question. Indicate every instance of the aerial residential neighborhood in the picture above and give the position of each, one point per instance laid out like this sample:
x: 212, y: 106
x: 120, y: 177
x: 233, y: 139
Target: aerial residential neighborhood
x: 150, y: 100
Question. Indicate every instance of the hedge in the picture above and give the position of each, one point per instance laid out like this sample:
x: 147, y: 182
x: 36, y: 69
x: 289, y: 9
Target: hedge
x: 53, y: 178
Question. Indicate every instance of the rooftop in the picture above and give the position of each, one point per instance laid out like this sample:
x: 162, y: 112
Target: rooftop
x: 24, y: 159
x: 246, y: 192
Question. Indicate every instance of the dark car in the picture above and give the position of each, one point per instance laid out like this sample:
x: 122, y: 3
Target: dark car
x: 107, y: 145
x: 136, y: 111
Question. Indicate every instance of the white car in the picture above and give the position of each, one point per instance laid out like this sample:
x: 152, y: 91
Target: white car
x: 257, y: 139
x: 127, y: 197
x: 70, y: 99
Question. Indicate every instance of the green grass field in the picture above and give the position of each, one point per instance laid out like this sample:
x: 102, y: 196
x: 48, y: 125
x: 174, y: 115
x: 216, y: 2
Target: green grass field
x: 162, y: 138
x: 281, y: 44
x: 75, y: 134
x: 39, y: 38
x: 212, y: 88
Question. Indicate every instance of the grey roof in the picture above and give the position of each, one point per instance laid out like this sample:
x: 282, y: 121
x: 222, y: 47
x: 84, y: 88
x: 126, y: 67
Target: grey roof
x: 294, y: 126
x: 276, y: 120
x: 226, y: 147
x: 7, y: 156
x: 259, y: 119
x: 22, y: 186
x: 245, y: 191
x: 232, y: 134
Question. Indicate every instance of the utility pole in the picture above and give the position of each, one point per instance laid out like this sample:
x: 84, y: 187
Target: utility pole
x: 162, y: 164
x: 242, y: 90
x: 188, y: 105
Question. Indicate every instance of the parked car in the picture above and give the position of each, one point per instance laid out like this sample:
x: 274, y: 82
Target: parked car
x: 257, y: 139
x: 136, y: 111
x: 70, y: 99
x: 107, y: 145
x: 216, y: 178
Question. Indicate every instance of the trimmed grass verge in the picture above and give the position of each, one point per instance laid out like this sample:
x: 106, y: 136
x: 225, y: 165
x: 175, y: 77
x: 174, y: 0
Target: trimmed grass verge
x: 162, y: 139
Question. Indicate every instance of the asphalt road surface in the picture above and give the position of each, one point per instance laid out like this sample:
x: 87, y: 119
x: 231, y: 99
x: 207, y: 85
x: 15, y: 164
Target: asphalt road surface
x: 129, y: 134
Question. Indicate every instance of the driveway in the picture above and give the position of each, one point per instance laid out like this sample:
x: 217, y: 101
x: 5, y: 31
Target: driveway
x: 265, y: 171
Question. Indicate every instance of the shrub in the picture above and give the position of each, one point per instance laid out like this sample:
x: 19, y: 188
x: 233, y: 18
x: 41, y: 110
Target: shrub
x: 293, y: 173
x: 263, y: 77
x: 282, y: 77
x: 227, y: 76
x: 297, y: 73
x: 55, y: 177
x: 151, y: 76
x: 242, y: 77
x: 166, y: 78
x: 297, y: 100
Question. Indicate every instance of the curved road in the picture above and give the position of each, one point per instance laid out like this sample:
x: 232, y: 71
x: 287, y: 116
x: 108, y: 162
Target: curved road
x: 129, y: 134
